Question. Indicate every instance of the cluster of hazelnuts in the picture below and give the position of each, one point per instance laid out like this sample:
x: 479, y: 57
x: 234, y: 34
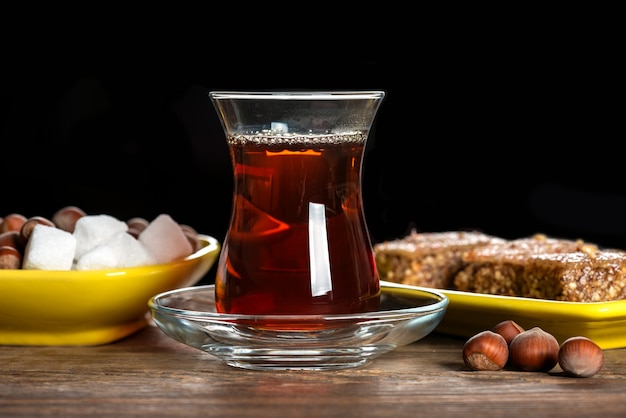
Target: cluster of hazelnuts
x: 532, y: 350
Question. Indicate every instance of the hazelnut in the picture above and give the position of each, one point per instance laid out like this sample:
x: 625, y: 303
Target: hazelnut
x: 29, y: 225
x: 10, y: 258
x: 580, y: 357
x: 12, y: 239
x: 534, y: 350
x: 138, y: 223
x: 192, y: 236
x: 136, y: 226
x: 12, y: 222
x: 486, y: 350
x: 65, y: 218
x: 508, y: 329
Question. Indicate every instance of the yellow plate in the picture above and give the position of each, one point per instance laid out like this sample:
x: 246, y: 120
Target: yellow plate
x: 93, y: 307
x: 603, y: 322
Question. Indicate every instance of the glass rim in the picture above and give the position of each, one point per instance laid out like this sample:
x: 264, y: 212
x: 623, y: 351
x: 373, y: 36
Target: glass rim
x: 299, y: 95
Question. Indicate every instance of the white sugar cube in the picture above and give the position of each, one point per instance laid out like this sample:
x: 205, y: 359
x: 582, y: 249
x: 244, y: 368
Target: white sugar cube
x: 165, y: 240
x: 49, y: 248
x: 92, y: 230
x: 121, y: 250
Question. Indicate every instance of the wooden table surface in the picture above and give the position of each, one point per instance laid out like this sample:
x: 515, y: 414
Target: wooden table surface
x: 149, y: 374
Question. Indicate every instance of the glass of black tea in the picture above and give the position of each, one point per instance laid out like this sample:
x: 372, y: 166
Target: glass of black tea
x: 297, y: 241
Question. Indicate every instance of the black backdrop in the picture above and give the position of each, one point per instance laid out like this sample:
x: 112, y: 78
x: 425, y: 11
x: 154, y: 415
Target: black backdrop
x: 511, y: 135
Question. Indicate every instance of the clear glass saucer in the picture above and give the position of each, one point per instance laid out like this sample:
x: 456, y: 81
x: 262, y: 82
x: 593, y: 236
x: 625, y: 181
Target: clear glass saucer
x: 298, y: 342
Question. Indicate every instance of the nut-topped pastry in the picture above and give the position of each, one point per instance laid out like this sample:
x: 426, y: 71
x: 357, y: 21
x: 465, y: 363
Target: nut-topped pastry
x: 534, y: 267
x: 500, y: 268
x: 576, y: 277
x: 545, y: 268
x: 428, y: 259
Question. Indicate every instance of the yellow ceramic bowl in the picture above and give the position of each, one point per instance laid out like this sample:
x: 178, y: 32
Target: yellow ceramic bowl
x: 470, y: 313
x: 90, y: 307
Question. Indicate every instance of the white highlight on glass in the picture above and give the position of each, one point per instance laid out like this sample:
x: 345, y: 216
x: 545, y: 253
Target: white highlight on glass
x: 279, y: 128
x: 318, y: 250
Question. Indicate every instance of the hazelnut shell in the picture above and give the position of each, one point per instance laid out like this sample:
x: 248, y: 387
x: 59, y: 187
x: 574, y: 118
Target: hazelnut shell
x: 534, y: 350
x: 508, y: 329
x: 486, y: 350
x: 580, y: 357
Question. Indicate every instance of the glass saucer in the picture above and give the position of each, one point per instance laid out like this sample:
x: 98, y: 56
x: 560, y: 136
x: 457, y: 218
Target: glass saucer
x: 298, y: 342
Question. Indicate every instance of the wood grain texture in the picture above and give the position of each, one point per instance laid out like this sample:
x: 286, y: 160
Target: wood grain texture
x: 149, y: 374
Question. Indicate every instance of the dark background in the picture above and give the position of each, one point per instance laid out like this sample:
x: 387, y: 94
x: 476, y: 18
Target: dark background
x: 511, y: 131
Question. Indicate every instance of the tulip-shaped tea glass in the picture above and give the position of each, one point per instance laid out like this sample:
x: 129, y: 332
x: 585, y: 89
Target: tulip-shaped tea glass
x: 297, y: 241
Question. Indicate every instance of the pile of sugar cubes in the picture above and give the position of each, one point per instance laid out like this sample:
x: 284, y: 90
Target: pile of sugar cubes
x: 104, y: 242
